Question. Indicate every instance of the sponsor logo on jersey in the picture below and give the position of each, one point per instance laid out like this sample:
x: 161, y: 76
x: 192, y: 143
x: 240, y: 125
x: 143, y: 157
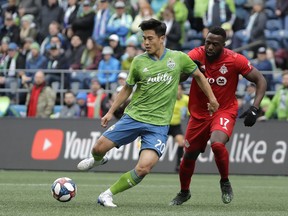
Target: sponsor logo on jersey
x: 160, y: 78
x: 170, y: 63
x: 223, y: 69
x: 221, y: 81
x: 187, y: 145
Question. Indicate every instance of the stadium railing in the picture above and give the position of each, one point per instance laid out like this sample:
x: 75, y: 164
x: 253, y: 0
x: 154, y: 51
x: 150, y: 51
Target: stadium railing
x: 17, y: 88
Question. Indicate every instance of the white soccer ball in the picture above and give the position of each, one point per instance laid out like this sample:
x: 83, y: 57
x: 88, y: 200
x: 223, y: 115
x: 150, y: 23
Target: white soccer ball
x: 63, y: 189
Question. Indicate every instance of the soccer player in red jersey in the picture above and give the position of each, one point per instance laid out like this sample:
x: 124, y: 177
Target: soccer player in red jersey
x: 222, y: 68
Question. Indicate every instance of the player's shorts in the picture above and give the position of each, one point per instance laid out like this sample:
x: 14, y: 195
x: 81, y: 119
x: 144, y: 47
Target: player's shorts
x: 198, y: 132
x: 126, y: 130
x: 175, y: 130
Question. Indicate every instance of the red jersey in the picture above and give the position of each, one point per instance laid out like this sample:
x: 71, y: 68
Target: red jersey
x: 223, y: 75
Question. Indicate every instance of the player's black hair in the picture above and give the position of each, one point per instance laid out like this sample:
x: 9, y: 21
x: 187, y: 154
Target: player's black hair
x: 153, y: 24
x: 218, y: 31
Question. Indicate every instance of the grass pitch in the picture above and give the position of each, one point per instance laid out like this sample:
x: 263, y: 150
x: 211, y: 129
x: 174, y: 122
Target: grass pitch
x: 28, y: 193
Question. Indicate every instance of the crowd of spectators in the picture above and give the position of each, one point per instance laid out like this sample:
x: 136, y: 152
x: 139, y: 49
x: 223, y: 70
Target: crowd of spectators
x: 84, y: 48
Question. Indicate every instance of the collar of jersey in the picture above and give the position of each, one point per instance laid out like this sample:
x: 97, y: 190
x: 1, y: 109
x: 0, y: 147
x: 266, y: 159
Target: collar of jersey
x: 154, y: 59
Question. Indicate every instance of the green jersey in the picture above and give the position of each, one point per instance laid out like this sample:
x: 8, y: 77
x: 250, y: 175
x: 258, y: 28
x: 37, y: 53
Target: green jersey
x: 157, y: 85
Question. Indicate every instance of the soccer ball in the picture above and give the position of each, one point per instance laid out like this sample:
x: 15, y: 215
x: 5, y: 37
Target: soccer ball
x: 63, y: 189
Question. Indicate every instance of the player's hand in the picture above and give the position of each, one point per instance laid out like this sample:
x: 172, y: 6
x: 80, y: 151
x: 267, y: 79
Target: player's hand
x: 250, y: 116
x: 105, y: 119
x: 213, y: 106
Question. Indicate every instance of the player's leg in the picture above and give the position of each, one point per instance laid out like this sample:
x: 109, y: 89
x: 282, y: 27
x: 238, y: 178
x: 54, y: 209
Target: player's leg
x: 197, y: 135
x: 180, y: 140
x: 147, y: 160
x: 177, y: 133
x: 153, y: 143
x: 99, y: 150
x: 221, y: 156
x: 121, y: 133
x: 221, y: 131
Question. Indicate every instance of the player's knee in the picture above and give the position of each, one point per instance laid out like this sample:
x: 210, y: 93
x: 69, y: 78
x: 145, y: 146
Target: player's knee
x: 218, y: 148
x: 191, y: 155
x: 142, y: 170
x: 98, y: 149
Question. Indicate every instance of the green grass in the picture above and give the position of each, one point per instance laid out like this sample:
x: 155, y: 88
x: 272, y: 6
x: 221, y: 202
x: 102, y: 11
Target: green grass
x: 28, y: 193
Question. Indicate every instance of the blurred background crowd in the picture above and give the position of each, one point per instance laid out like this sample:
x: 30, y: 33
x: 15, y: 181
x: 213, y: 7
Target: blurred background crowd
x: 70, y: 58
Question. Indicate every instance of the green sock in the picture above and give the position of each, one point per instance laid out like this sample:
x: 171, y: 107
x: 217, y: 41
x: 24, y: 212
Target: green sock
x: 126, y: 181
x: 97, y: 157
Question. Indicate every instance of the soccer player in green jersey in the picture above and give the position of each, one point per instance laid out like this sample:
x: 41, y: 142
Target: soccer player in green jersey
x: 156, y: 74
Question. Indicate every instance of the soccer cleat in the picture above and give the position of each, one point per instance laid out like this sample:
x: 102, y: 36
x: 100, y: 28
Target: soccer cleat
x: 89, y: 163
x: 180, y: 198
x: 227, y: 192
x: 106, y: 200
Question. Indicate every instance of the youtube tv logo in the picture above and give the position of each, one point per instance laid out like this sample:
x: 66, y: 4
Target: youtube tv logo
x: 47, y: 144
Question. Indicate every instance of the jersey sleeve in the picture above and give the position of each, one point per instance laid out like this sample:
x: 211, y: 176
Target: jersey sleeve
x: 132, y: 78
x: 189, y: 66
x: 194, y: 55
x: 243, y: 65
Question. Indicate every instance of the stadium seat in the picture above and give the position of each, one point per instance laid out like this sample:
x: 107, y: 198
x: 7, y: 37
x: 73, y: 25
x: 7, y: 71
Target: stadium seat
x: 192, y: 34
x: 75, y: 87
x: 281, y: 36
x: 13, y: 86
x: 55, y: 86
x: 270, y: 4
x: 20, y: 109
x: 274, y: 24
x: 270, y: 13
x: 191, y: 44
x: 268, y: 34
x: 4, y: 104
x: 57, y: 109
x: 274, y: 44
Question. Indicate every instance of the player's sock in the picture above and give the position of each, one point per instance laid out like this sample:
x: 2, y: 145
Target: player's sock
x: 97, y: 157
x: 186, y: 171
x: 126, y: 181
x: 222, y: 159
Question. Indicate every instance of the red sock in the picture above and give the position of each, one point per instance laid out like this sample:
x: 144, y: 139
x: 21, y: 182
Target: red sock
x: 185, y: 173
x: 221, y: 156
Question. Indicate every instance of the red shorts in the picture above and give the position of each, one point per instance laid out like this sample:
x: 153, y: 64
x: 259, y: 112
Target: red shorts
x: 198, y: 131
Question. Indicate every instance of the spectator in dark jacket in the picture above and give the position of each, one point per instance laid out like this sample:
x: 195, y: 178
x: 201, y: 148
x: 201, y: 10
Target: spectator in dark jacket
x: 173, y: 31
x: 48, y: 13
x: 282, y: 12
x: 74, y: 53
x: 263, y: 64
x: 254, y: 30
x: 70, y: 14
x: 29, y: 7
x: 57, y: 60
x: 83, y: 24
x: 10, y: 29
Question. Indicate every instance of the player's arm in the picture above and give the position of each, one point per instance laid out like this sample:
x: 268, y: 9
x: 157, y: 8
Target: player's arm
x: 184, y: 77
x: 256, y: 77
x: 252, y: 113
x: 121, y: 97
x: 206, y: 88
